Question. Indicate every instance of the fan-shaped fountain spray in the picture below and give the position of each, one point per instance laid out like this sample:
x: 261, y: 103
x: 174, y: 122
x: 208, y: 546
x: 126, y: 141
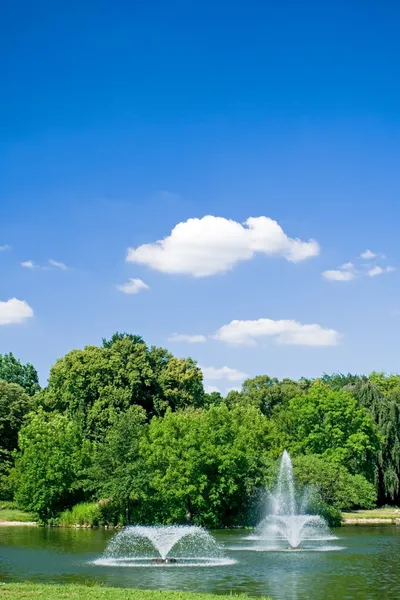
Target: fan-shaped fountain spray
x: 288, y: 521
x: 165, y: 545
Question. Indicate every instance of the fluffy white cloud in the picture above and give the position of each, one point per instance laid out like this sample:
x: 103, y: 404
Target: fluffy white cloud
x: 29, y: 264
x: 380, y: 271
x: 368, y: 255
x: 58, y: 265
x: 216, y: 373
x: 189, y: 339
x: 247, y: 333
x: 202, y: 247
x: 349, y: 266
x: 338, y: 275
x: 14, y: 311
x: 133, y: 286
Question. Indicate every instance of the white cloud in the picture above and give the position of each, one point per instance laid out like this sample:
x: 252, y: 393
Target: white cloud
x: 58, y: 265
x: 338, y: 275
x: 133, y: 286
x: 189, y: 339
x: 209, y: 389
x: 215, y: 373
x: 247, y: 333
x: 14, y: 311
x: 380, y: 271
x: 5, y: 247
x: 29, y: 264
x: 368, y: 255
x: 202, y: 247
x: 349, y: 271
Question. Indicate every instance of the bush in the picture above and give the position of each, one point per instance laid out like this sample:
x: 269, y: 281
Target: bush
x: 332, y: 515
x: 85, y: 514
x: 333, y: 484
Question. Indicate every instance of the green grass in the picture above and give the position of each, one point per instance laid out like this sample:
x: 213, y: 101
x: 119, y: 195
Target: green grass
x: 33, y: 591
x: 9, y: 512
x: 85, y: 514
x: 375, y: 513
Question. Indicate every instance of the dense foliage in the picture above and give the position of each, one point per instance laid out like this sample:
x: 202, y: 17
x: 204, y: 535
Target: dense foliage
x: 126, y: 433
x: 13, y: 371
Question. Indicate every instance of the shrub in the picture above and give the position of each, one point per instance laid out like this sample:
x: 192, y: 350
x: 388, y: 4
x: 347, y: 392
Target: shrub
x: 85, y: 514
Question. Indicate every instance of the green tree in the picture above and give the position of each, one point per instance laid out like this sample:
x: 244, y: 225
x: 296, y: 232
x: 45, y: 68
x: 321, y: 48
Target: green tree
x: 333, y: 484
x: 204, y: 466
x: 94, y: 384
x: 265, y: 393
x: 117, y: 472
x: 381, y: 397
x: 47, y: 468
x: 329, y: 423
x: 14, y: 405
x: 13, y: 371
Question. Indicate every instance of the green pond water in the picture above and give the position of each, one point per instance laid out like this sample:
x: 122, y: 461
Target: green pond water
x: 366, y: 567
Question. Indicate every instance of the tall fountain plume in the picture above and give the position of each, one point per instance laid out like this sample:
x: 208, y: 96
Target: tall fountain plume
x: 288, y: 522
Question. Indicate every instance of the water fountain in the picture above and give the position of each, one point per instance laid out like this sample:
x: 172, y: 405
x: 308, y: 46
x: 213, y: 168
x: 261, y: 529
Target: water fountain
x: 287, y: 525
x: 139, y: 546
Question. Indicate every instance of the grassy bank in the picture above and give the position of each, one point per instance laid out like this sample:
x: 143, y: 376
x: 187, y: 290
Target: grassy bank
x: 30, y: 591
x: 383, y: 514
x: 9, y: 512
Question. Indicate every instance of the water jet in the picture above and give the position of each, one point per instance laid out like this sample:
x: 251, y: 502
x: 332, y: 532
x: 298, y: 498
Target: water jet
x: 180, y: 545
x: 288, y: 524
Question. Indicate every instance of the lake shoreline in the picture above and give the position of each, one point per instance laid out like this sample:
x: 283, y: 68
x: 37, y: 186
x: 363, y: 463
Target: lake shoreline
x: 371, y: 521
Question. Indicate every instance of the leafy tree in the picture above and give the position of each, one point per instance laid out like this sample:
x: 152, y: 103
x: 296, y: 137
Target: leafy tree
x: 333, y: 484
x: 204, y: 466
x: 380, y: 396
x: 46, y: 472
x: 116, y: 337
x: 14, y: 405
x: 339, y: 381
x: 117, y: 471
x: 329, y: 423
x: 94, y: 384
x: 265, y: 392
x: 13, y: 371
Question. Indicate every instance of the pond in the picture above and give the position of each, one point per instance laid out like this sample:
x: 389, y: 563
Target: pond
x: 367, y: 566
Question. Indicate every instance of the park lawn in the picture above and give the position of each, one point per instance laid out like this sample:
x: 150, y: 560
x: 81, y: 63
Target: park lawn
x: 375, y: 513
x: 33, y: 591
x: 9, y: 512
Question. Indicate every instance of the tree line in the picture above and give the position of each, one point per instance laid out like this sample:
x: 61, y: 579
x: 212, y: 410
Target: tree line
x: 131, y: 428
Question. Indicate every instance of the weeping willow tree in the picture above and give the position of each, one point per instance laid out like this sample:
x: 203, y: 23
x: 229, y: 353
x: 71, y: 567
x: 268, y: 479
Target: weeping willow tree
x: 384, y: 406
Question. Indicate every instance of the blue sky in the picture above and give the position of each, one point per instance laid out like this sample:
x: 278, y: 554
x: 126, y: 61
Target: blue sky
x: 121, y: 120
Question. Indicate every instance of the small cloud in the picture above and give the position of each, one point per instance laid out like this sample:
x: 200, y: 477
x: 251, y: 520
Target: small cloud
x: 284, y: 331
x: 29, y: 264
x: 349, y: 266
x: 338, y: 275
x: 217, y: 373
x: 368, y: 255
x: 186, y: 338
x: 14, y: 311
x: 5, y: 247
x: 375, y: 271
x: 133, y: 286
x: 58, y: 265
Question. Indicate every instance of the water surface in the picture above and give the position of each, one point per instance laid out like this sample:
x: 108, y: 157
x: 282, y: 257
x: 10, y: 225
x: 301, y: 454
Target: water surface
x: 366, y: 568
